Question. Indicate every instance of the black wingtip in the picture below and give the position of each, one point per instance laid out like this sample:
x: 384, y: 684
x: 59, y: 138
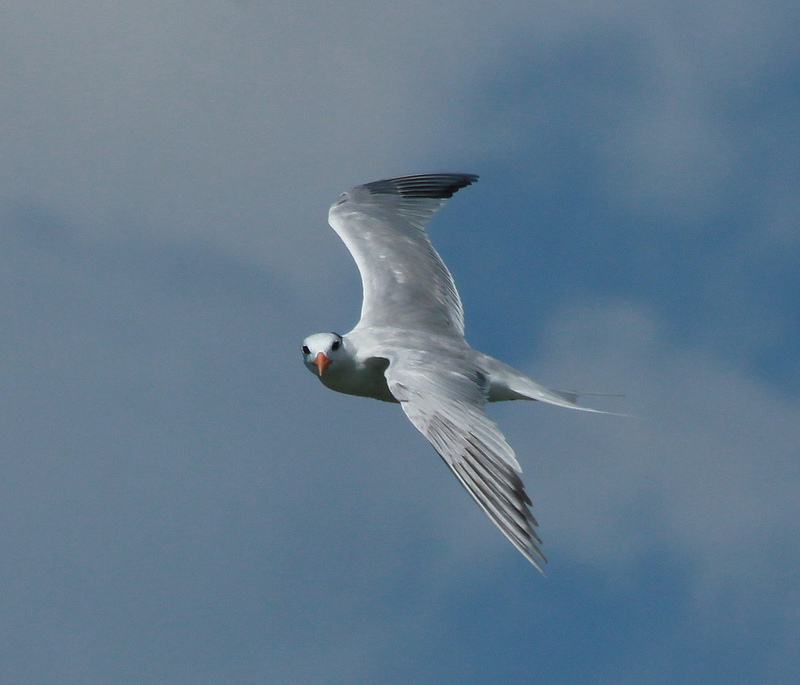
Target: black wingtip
x: 434, y: 186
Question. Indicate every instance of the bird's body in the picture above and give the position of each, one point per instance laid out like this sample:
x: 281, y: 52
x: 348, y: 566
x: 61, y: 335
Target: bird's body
x: 409, y: 346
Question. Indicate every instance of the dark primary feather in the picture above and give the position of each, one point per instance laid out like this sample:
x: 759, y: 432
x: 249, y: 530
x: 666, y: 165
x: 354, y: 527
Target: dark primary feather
x: 436, y: 186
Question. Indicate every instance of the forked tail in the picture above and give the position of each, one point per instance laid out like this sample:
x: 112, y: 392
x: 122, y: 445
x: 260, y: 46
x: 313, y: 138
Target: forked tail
x: 506, y: 383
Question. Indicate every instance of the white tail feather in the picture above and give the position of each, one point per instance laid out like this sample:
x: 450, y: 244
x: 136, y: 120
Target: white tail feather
x: 506, y: 383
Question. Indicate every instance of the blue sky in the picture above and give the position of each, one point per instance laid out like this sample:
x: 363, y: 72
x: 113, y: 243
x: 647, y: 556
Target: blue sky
x: 181, y: 502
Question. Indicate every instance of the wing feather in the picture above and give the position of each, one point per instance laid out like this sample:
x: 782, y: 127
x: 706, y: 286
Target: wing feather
x: 446, y: 406
x: 405, y: 280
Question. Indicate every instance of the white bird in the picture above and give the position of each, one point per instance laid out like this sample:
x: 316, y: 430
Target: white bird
x: 409, y: 346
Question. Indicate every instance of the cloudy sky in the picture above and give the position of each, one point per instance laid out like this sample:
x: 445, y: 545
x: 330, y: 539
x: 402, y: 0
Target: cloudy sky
x: 182, y: 502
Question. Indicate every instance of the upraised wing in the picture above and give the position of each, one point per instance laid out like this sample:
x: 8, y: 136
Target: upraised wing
x: 446, y: 406
x: 405, y: 282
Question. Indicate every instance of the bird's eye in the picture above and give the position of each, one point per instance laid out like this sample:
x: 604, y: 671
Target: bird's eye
x: 306, y: 350
x: 335, y: 345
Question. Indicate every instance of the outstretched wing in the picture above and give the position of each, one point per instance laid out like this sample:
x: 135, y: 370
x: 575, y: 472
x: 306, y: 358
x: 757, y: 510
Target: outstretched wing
x: 446, y: 406
x: 405, y: 281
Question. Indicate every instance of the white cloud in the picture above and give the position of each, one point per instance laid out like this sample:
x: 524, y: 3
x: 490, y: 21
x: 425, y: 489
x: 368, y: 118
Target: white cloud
x: 671, y: 106
x: 705, y: 472
x: 237, y: 123
x: 234, y: 124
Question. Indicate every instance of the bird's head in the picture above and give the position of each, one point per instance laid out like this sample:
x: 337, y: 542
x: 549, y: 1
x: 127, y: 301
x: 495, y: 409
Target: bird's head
x: 321, y: 350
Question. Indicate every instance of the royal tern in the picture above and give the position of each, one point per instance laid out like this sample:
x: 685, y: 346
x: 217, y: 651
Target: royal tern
x: 409, y: 347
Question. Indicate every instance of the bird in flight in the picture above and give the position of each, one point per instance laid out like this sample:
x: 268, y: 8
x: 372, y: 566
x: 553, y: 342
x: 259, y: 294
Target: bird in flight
x: 409, y: 347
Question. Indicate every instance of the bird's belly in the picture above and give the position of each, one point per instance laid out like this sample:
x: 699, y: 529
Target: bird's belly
x: 366, y: 382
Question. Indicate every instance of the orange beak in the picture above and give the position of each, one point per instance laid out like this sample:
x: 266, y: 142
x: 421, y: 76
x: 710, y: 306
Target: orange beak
x: 322, y: 363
